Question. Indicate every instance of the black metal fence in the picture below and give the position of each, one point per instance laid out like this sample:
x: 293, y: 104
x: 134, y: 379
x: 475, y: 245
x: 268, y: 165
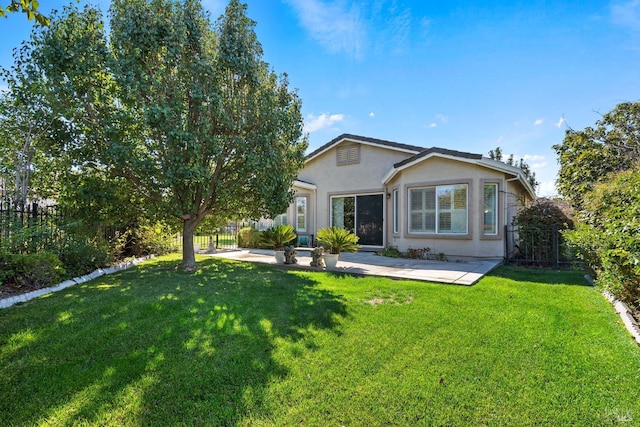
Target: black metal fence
x: 224, y: 238
x: 28, y: 227
x: 537, y: 246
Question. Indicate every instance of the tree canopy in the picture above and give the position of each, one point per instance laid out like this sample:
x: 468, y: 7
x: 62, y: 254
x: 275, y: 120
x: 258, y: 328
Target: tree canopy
x: 187, y: 113
x: 496, y: 154
x: 28, y: 7
x: 599, y: 174
x: 587, y: 156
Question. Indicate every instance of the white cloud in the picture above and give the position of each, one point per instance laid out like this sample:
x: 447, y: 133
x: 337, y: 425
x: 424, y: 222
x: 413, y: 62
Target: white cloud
x: 314, y: 123
x: 332, y: 24
x: 538, y: 122
x: 443, y: 119
x: 372, y: 114
x: 626, y: 14
x: 535, y: 161
x: 433, y: 125
x: 354, y: 27
x: 560, y: 122
x: 547, y: 189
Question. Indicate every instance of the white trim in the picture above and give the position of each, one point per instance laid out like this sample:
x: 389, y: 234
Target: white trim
x: 394, y: 171
x: 484, y: 162
x: 304, y: 185
x: 359, y: 141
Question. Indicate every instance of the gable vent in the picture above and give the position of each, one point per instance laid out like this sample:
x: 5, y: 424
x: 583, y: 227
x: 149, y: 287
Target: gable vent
x: 348, y: 155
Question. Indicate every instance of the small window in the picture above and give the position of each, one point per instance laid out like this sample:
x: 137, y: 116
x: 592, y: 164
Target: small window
x: 348, y: 155
x: 301, y: 214
x: 490, y: 224
x: 396, y: 213
x: 280, y: 220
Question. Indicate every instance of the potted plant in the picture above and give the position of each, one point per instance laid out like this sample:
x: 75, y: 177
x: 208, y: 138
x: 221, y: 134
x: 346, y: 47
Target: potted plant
x: 336, y: 240
x: 277, y: 237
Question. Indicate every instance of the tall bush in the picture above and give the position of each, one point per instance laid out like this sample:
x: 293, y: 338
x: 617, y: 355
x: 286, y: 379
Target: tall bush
x: 608, y: 238
x: 535, y: 223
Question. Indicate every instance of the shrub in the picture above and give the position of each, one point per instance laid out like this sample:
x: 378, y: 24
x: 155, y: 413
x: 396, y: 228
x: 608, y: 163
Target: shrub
x: 81, y: 256
x: 141, y: 240
x: 608, y: 237
x: 31, y: 270
x: 390, y: 251
x: 277, y: 237
x: 248, y: 237
x: 336, y: 240
x: 536, y: 223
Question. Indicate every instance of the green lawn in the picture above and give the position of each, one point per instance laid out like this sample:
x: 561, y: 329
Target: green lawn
x: 240, y: 344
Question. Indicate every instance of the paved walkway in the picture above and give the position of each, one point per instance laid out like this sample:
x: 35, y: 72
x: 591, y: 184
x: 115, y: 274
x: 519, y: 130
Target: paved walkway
x: 465, y: 272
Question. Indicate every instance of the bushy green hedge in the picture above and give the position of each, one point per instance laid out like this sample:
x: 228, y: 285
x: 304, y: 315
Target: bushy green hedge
x: 249, y: 237
x: 535, y: 223
x: 81, y: 256
x: 608, y: 236
x: 142, y: 240
x: 31, y: 270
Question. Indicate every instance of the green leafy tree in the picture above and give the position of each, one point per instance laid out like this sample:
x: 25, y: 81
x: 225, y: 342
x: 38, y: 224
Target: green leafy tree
x: 496, y: 154
x: 588, y: 156
x: 28, y: 7
x: 27, y: 124
x: 189, y: 115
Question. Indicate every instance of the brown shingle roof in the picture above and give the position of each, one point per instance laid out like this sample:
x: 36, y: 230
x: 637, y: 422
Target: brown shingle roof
x: 358, y: 138
x: 436, y: 150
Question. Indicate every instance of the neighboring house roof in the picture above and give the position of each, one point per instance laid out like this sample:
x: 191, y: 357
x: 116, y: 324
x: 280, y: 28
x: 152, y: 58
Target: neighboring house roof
x: 405, y: 148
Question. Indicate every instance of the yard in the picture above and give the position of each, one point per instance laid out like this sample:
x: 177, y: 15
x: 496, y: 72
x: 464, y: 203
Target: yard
x: 241, y: 344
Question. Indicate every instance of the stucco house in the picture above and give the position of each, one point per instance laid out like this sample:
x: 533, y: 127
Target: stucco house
x: 406, y: 196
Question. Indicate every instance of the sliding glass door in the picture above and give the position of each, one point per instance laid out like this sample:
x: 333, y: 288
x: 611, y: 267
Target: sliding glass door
x: 361, y: 214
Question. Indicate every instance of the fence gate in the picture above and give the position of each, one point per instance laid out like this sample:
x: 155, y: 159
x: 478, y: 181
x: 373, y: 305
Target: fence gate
x: 536, y: 245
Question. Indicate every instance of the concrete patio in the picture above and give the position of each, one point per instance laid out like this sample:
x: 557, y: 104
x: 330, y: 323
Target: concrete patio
x: 458, y: 272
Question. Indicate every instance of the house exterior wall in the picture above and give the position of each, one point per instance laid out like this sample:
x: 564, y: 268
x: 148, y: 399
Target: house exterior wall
x: 361, y: 178
x: 364, y: 177
x: 441, y: 171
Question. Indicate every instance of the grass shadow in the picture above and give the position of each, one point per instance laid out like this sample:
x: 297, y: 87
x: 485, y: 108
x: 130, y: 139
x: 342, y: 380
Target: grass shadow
x: 153, y: 345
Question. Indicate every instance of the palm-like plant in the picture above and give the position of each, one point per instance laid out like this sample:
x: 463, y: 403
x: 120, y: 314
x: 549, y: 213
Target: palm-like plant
x: 337, y: 240
x: 278, y: 236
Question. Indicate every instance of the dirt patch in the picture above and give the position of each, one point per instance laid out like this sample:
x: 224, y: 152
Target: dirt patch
x: 392, y: 298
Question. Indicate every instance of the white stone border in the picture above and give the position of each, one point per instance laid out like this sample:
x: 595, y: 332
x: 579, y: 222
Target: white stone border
x: 8, y: 302
x: 623, y: 311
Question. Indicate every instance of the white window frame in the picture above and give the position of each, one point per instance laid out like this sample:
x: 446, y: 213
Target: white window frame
x: 396, y: 211
x: 303, y: 214
x: 486, y: 210
x: 438, y: 209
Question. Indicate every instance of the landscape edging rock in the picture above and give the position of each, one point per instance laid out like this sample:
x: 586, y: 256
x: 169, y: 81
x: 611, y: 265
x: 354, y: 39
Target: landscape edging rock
x: 8, y: 302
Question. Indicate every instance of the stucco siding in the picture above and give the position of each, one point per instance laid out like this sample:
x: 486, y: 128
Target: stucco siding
x: 443, y: 171
x: 363, y: 171
x: 364, y: 177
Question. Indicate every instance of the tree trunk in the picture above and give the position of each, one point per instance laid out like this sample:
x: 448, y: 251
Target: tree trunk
x: 188, y: 254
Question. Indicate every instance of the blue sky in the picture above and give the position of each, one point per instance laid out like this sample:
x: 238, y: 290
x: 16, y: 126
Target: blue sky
x: 462, y: 75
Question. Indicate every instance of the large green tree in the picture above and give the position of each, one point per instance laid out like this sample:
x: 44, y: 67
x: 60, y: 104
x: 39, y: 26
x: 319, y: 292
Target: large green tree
x: 587, y: 156
x: 189, y: 114
x: 27, y: 123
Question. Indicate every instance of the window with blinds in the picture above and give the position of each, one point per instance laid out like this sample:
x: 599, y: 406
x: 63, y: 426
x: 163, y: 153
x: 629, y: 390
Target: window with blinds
x: 348, y: 155
x: 440, y: 209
